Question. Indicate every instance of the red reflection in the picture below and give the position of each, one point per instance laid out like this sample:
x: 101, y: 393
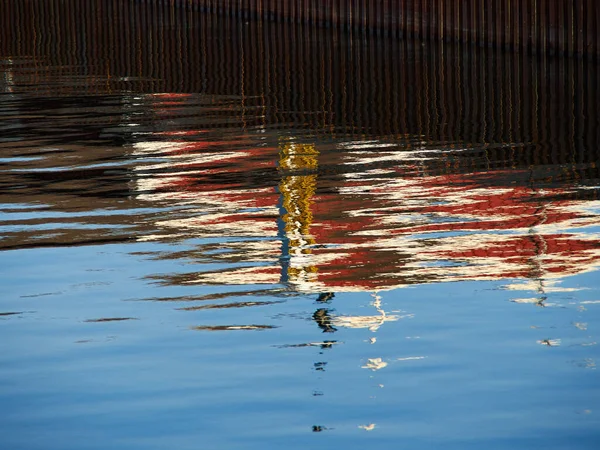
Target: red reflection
x: 375, y: 227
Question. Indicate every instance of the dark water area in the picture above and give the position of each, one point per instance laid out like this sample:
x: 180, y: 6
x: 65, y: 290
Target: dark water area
x: 225, y: 233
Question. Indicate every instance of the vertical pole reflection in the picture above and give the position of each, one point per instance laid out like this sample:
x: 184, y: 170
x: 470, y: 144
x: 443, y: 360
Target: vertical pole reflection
x: 297, y: 165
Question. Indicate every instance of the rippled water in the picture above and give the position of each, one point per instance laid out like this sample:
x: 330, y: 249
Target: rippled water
x: 228, y: 234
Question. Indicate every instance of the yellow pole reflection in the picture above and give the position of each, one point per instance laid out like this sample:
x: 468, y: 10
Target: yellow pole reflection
x: 297, y: 164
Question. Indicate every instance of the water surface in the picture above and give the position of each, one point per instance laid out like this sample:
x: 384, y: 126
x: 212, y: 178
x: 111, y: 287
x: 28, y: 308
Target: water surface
x: 220, y: 233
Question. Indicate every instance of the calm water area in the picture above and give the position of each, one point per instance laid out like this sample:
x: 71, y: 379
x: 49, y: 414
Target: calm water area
x: 220, y: 233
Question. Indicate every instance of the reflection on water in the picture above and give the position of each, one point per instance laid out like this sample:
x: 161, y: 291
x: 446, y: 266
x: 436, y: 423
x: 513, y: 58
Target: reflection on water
x: 385, y: 236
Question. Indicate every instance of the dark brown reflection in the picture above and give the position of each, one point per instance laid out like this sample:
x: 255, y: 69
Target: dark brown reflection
x: 552, y: 26
x: 517, y: 108
x: 227, y: 305
x: 110, y: 319
x: 232, y: 327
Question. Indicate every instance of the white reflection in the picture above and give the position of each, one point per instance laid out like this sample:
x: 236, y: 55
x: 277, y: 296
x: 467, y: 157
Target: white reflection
x: 375, y: 364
